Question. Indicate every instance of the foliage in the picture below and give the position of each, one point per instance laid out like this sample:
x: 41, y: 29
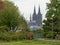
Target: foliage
x: 14, y: 36
x: 52, y: 23
x: 49, y: 34
x: 37, y: 31
x: 11, y: 17
x: 13, y: 25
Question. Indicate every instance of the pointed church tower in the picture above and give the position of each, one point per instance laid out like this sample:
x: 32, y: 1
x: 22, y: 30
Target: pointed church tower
x: 34, y: 10
x: 39, y: 13
x: 36, y: 20
x: 39, y: 17
x: 34, y: 14
x: 30, y: 18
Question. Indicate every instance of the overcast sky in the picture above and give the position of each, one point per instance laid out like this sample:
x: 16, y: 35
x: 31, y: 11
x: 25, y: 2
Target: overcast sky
x: 26, y: 7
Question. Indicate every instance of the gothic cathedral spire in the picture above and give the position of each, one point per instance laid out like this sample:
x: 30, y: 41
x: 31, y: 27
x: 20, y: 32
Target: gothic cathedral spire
x: 30, y: 17
x: 36, y: 20
x: 34, y: 14
x: 34, y: 10
x: 39, y: 10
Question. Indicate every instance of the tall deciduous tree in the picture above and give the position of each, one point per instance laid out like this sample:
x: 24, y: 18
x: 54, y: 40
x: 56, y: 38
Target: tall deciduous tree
x: 52, y: 23
x: 10, y: 16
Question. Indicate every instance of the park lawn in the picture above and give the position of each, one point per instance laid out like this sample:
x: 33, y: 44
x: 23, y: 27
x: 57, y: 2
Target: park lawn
x: 31, y: 42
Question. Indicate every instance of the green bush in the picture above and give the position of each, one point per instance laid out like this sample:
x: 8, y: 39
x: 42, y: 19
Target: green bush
x: 3, y: 28
x: 14, y: 36
x: 49, y: 34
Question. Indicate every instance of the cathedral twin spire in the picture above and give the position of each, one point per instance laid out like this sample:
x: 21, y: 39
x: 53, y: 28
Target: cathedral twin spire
x: 35, y: 16
x: 36, y: 19
x: 35, y: 10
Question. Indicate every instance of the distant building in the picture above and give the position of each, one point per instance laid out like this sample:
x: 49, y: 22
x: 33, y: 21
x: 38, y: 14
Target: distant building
x: 35, y: 20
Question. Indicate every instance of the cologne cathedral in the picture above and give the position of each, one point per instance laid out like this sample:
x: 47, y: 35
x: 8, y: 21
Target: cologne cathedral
x: 35, y: 20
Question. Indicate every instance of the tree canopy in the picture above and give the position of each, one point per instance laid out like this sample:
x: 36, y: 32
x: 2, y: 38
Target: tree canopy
x: 10, y: 16
x: 52, y: 23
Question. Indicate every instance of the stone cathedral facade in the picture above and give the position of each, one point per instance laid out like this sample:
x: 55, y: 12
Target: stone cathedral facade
x: 35, y: 20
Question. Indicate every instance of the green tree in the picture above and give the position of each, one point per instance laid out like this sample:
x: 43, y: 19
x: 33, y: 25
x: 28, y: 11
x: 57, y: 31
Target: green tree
x: 10, y: 16
x: 52, y: 24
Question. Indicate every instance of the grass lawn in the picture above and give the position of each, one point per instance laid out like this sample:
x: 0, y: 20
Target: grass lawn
x: 32, y: 42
